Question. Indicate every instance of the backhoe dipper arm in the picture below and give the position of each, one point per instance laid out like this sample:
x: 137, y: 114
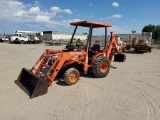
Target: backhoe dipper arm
x: 111, y: 43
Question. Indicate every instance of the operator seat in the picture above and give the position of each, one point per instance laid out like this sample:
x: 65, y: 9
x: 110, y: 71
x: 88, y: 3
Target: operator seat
x: 93, y: 50
x: 96, y: 47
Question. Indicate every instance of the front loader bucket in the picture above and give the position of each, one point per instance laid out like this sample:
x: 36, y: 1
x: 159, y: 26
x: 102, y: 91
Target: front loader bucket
x: 119, y: 57
x: 33, y: 85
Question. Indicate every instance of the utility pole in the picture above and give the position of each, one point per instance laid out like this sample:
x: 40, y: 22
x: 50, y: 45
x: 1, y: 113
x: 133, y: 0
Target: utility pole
x: 133, y: 33
x: 4, y: 31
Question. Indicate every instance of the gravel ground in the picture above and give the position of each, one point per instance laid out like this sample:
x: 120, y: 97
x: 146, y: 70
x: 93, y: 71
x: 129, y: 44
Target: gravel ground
x: 129, y: 92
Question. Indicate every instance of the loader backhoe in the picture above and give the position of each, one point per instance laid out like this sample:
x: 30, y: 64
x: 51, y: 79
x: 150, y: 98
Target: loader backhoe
x: 71, y: 62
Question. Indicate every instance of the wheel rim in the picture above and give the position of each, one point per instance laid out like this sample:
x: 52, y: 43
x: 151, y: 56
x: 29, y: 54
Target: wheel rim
x: 73, y: 77
x: 104, y: 67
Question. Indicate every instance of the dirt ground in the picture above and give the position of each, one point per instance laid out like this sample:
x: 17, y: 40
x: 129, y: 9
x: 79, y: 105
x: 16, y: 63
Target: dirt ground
x: 129, y: 92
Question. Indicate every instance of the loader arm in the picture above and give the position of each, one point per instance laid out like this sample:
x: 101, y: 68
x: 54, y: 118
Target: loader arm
x: 62, y: 59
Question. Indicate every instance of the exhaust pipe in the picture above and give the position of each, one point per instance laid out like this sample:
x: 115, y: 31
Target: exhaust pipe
x: 31, y: 84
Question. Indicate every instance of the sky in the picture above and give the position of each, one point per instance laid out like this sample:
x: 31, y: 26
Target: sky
x: 56, y: 15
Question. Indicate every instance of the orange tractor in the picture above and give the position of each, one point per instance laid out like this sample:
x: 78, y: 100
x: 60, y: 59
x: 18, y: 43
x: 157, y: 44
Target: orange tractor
x: 140, y: 43
x: 69, y: 62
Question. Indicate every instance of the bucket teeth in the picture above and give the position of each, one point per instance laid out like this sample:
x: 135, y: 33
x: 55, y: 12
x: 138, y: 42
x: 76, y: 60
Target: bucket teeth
x: 31, y: 84
x: 119, y: 57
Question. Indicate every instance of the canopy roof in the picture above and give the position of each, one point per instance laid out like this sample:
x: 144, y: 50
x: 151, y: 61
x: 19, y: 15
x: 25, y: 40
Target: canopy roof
x: 86, y: 23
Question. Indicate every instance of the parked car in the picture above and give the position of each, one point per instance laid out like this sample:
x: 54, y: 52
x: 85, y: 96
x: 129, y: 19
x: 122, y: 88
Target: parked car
x: 4, y: 38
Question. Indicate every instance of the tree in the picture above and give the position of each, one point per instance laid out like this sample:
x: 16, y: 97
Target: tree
x: 85, y: 33
x: 150, y: 28
x: 157, y: 33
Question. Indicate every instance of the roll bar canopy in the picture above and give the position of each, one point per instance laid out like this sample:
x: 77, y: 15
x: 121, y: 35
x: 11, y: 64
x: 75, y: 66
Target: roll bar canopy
x: 86, y: 23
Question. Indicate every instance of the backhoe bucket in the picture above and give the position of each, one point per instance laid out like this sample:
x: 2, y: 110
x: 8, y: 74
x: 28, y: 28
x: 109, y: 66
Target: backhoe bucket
x: 119, y: 57
x: 33, y: 85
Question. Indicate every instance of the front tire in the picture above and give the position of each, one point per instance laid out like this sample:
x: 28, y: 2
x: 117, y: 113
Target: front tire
x: 101, y: 67
x: 71, y: 76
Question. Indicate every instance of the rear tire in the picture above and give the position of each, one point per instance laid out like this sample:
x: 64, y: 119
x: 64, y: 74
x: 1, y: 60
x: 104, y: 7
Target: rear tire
x: 149, y: 50
x: 71, y: 76
x: 22, y: 42
x: 101, y: 67
x: 135, y: 50
x: 128, y: 47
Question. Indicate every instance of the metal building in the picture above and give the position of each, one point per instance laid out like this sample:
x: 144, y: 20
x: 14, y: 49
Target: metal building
x: 54, y: 35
